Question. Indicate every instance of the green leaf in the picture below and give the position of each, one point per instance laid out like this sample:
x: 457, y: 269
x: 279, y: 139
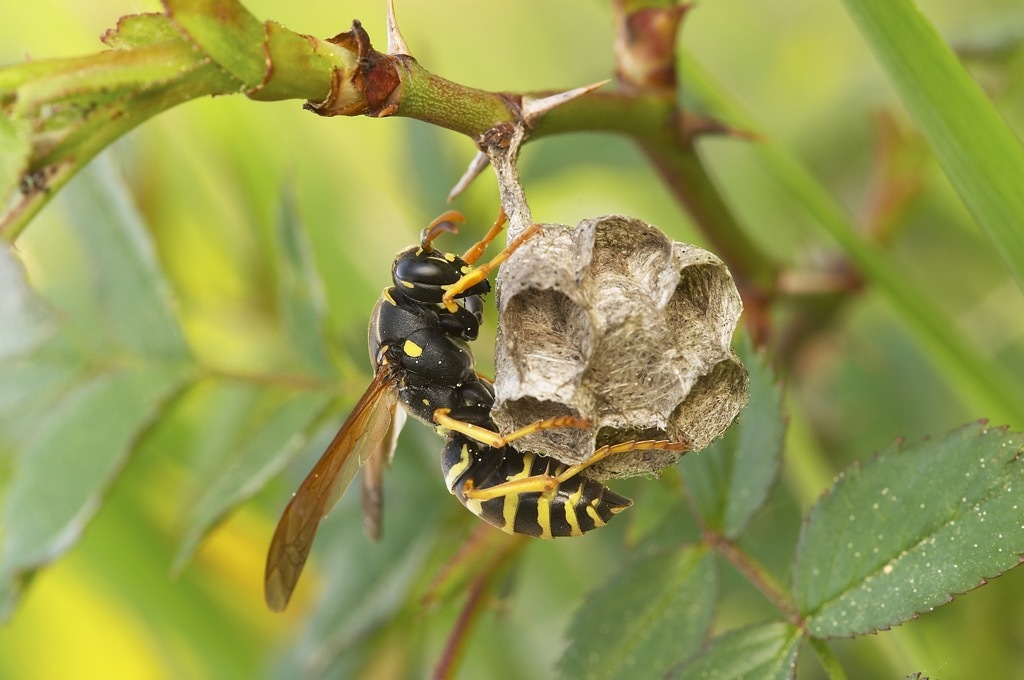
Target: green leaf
x: 80, y: 445
x: 260, y: 453
x: 899, y: 535
x: 132, y: 296
x: 141, y: 30
x: 730, y: 480
x: 28, y: 388
x: 977, y: 150
x: 765, y: 652
x: 651, y: 615
x: 300, y: 291
x: 27, y: 321
x: 75, y: 408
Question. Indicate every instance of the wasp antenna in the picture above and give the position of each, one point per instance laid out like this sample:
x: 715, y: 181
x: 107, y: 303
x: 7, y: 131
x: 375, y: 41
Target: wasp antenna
x: 445, y: 222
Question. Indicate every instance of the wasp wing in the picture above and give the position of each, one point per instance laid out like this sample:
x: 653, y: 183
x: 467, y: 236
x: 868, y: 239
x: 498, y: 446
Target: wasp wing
x: 359, y: 438
x: 373, y: 474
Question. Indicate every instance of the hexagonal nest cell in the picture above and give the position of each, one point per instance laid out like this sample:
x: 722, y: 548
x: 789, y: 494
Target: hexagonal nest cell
x: 614, y: 322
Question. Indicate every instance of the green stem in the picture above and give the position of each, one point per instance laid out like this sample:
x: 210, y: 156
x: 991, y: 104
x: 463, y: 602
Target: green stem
x: 441, y: 102
x: 58, y: 163
x: 755, y: 573
x: 828, y: 658
x: 485, y: 582
x: 686, y: 176
x: 448, y: 665
x: 651, y: 120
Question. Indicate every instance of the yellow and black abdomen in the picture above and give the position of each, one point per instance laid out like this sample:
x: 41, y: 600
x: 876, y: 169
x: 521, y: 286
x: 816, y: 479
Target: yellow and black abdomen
x: 570, y: 508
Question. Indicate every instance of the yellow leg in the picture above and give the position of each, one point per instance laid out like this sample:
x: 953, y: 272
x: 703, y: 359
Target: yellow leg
x: 478, y: 274
x: 445, y: 222
x: 474, y: 253
x: 537, y: 484
x: 546, y: 482
x: 623, y: 447
x: 491, y: 438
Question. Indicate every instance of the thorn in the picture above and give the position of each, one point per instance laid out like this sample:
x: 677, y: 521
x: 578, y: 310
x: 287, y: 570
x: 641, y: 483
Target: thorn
x: 396, y: 43
x: 694, y: 125
x: 532, y: 108
x: 476, y: 166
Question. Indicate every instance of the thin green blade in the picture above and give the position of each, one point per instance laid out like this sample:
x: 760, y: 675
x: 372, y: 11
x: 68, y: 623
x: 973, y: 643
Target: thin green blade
x: 977, y: 150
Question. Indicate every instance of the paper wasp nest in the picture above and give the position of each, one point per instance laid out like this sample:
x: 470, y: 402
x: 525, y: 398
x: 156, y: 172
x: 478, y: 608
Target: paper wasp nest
x: 614, y: 322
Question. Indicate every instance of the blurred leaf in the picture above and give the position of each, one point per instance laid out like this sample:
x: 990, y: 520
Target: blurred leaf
x: 300, y: 291
x: 80, y: 445
x: 729, y: 481
x: 979, y: 153
x: 651, y: 615
x: 765, y: 652
x: 132, y: 295
x: 473, y: 559
x: 969, y: 372
x: 26, y: 320
x: 261, y: 454
x: 80, y: 413
x: 28, y: 388
x: 902, y: 533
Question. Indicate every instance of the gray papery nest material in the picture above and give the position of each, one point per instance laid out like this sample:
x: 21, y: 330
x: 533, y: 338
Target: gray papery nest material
x: 614, y: 322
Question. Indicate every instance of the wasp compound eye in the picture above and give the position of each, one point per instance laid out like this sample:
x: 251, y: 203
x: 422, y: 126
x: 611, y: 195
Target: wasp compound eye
x: 613, y: 321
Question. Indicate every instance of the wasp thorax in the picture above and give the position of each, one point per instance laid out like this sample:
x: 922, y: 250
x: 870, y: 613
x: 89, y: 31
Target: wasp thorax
x: 614, y: 322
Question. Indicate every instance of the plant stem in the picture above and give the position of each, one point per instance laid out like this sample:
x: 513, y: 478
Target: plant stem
x: 476, y: 599
x: 447, y: 104
x: 828, y: 659
x: 754, y: 572
x: 449, y: 662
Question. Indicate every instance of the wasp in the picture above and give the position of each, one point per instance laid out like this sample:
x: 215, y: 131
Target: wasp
x: 418, y: 340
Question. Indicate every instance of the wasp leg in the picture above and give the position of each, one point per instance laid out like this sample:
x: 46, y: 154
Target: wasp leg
x: 478, y: 274
x: 474, y: 253
x: 537, y: 484
x: 544, y: 483
x: 494, y: 439
x: 623, y: 447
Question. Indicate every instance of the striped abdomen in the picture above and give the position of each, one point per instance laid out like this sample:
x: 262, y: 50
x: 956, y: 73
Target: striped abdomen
x: 572, y: 508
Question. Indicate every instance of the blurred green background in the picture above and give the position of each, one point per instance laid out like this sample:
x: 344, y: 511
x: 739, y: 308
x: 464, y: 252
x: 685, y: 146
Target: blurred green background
x: 209, y: 178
